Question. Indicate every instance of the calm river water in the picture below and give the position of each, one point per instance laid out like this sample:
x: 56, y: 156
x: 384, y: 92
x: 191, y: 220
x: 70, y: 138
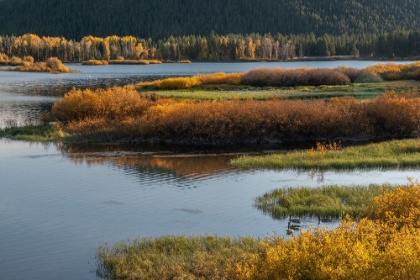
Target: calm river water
x: 59, y: 202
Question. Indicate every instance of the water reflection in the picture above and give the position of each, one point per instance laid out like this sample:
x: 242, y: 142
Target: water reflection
x: 143, y: 160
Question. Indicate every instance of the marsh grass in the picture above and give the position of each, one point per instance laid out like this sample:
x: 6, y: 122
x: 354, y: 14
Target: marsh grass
x: 326, y: 201
x: 174, y: 257
x: 243, y: 92
x: 385, y: 155
x: 41, y: 133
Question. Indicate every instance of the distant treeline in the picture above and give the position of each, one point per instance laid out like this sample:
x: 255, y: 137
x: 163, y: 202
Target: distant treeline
x: 161, y: 18
x: 214, y: 47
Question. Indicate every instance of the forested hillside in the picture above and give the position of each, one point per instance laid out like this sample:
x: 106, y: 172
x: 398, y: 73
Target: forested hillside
x: 161, y: 18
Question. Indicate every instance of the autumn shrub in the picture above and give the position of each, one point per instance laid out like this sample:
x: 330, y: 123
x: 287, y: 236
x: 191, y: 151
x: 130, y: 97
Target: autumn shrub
x: 383, y: 246
x: 4, y: 59
x: 129, y: 61
x: 350, y: 72
x: 15, y: 61
x: 194, y: 81
x: 221, y: 78
x: 397, y: 207
x: 294, y: 77
x: 56, y: 65
x: 29, y: 59
x: 392, y: 71
x: 95, y: 62
x: 390, y: 115
x: 396, y: 114
x: 366, y: 76
x: 155, y: 61
x: 112, y: 103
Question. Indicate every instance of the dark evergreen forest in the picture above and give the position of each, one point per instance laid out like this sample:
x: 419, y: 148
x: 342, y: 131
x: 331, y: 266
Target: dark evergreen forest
x: 160, y: 19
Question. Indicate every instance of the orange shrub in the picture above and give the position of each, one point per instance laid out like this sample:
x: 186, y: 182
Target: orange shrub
x: 95, y: 62
x: 131, y: 115
x: 294, y: 77
x: 221, y: 78
x: 112, y: 103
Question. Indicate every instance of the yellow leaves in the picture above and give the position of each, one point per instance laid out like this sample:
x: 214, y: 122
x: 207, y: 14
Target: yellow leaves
x: 112, y: 103
x: 387, y: 247
x: 392, y: 71
x: 194, y: 81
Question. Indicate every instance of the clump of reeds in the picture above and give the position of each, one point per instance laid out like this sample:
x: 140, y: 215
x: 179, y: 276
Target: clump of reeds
x: 174, y: 257
x: 294, y: 77
x: 326, y: 201
x: 95, y: 62
x: 185, y: 61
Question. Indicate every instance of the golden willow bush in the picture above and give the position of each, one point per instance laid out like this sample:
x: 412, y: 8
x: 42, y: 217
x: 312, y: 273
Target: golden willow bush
x: 95, y: 62
x: 392, y: 71
x: 122, y: 112
x: 383, y: 246
x: 194, y: 81
x: 115, y: 103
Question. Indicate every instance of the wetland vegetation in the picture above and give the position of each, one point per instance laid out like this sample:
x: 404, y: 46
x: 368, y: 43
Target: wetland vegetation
x: 377, y: 246
x: 385, y: 155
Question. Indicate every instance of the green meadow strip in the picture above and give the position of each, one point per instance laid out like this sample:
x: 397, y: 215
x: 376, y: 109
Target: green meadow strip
x: 385, y: 155
x: 241, y: 92
x: 327, y: 201
x: 41, y: 133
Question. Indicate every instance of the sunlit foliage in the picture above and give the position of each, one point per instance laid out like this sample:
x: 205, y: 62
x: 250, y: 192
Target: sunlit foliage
x: 194, y: 81
x: 392, y: 71
x: 390, y: 115
x: 53, y: 65
x: 95, y: 62
x: 383, y: 248
x: 294, y: 77
x: 386, y: 245
x: 115, y: 103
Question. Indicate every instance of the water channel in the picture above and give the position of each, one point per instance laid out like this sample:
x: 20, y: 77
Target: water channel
x: 58, y: 202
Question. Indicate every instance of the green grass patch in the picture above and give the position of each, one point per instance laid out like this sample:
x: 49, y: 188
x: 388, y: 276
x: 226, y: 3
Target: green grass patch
x: 243, y: 92
x: 327, y: 201
x: 174, y: 257
x: 390, y: 154
x: 40, y: 133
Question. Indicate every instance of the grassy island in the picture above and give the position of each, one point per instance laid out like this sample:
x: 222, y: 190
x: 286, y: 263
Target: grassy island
x: 52, y: 65
x: 389, y: 154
